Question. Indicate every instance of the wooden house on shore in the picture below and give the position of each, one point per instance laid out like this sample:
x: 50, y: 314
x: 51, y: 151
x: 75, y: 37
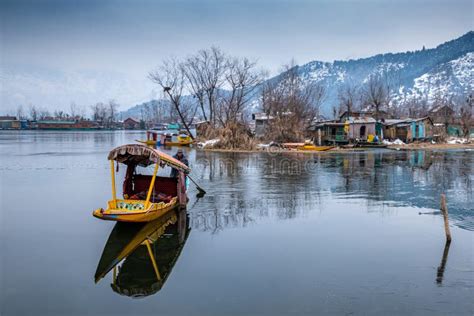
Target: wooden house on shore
x: 10, y: 122
x: 328, y: 132
x: 409, y: 129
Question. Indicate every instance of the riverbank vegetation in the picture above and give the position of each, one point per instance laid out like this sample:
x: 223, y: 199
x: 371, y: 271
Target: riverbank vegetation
x: 232, y: 100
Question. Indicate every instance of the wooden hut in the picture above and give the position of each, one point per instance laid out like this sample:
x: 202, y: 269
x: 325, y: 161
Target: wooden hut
x: 328, y: 133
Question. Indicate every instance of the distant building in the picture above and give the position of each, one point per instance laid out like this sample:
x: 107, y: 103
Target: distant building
x: 409, y: 129
x: 260, y: 123
x: 131, y: 123
x: 174, y: 126
x: 397, y: 129
x: 10, y: 122
x: 201, y: 127
x: 441, y: 114
x: 65, y: 124
x: 361, y: 114
x: 328, y: 132
x: 360, y: 128
x: 422, y: 128
x: 159, y: 126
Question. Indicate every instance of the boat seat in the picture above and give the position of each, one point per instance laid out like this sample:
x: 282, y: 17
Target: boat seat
x: 140, y: 183
x: 156, y: 197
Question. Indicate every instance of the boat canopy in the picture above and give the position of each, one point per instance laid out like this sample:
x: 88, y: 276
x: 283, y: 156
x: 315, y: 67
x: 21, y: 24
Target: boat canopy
x: 138, y: 154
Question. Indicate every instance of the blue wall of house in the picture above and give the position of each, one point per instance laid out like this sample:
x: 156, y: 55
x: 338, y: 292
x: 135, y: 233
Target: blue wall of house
x: 421, y: 130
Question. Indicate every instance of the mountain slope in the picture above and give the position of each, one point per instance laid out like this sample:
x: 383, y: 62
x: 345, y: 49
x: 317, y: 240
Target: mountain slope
x: 423, y: 74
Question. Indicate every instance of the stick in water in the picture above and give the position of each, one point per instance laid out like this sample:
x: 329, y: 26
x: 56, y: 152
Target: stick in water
x: 444, y: 210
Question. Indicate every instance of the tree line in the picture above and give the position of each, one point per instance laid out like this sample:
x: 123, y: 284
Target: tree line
x: 104, y: 113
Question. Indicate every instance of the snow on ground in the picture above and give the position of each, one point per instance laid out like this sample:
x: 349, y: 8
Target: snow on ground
x: 395, y: 142
x: 456, y: 140
x: 208, y: 143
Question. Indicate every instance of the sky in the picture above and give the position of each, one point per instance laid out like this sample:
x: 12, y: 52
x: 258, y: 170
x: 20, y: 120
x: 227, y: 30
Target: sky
x: 54, y: 53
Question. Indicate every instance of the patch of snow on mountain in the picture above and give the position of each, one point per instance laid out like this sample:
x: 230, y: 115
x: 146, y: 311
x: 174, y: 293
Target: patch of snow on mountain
x: 463, y: 69
x: 454, y: 76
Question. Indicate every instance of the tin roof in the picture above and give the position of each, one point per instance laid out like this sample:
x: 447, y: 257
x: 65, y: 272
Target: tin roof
x: 361, y: 120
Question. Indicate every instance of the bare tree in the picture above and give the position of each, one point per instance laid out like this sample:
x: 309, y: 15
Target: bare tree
x: 73, y: 110
x: 466, y: 115
x: 33, y: 112
x: 241, y: 81
x: 171, y: 78
x: 348, y: 96
x: 376, y: 94
x: 291, y: 104
x: 20, y: 113
x: 112, y: 113
x: 43, y: 113
x: 205, y: 73
x: 60, y: 114
x: 99, y: 112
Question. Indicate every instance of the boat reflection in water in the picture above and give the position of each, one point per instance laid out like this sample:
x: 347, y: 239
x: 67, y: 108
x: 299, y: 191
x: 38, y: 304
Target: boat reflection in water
x: 142, y: 255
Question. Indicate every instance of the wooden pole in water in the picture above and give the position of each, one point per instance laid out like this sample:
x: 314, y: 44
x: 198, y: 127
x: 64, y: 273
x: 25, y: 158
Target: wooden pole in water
x: 442, y: 266
x: 444, y: 210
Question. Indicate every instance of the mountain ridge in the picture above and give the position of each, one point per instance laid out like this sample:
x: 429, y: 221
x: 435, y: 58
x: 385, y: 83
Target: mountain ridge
x: 421, y: 74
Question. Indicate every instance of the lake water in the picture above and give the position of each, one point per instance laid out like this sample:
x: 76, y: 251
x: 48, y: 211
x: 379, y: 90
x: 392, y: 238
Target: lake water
x: 356, y: 233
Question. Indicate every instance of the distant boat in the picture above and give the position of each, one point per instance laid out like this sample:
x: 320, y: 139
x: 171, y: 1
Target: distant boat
x: 154, y: 138
x: 306, y: 146
x: 146, y: 197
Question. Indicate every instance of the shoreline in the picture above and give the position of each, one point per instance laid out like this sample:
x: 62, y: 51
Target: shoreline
x: 407, y: 147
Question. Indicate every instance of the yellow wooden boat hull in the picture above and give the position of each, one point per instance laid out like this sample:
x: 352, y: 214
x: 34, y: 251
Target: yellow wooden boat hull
x: 134, y: 211
x: 314, y: 148
x: 147, y: 142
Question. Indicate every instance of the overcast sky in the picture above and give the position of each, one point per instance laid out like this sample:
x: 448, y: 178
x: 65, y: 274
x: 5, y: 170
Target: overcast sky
x: 57, y: 52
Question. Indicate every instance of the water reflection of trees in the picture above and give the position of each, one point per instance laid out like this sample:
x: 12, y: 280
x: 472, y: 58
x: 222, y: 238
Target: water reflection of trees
x: 252, y: 187
x: 407, y: 177
x: 249, y: 187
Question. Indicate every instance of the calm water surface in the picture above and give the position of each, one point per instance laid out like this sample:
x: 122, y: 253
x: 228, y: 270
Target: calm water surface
x: 277, y: 234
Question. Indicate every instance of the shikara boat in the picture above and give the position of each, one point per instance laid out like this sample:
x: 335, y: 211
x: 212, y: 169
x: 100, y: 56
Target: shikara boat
x: 306, y: 146
x: 310, y: 147
x: 142, y: 255
x: 154, y: 138
x: 151, y: 138
x: 145, y: 197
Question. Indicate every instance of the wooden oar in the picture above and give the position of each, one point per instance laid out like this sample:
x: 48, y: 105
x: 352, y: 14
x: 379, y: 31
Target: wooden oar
x: 201, y: 190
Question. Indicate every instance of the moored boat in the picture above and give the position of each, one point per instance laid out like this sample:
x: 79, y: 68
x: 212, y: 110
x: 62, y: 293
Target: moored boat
x: 306, y: 146
x: 154, y: 138
x: 310, y: 147
x: 145, y: 197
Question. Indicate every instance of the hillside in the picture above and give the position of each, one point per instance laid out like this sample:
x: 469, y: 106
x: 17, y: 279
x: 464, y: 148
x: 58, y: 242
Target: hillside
x: 444, y: 70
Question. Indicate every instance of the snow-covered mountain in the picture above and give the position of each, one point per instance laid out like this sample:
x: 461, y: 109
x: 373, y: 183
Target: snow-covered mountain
x: 422, y: 74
